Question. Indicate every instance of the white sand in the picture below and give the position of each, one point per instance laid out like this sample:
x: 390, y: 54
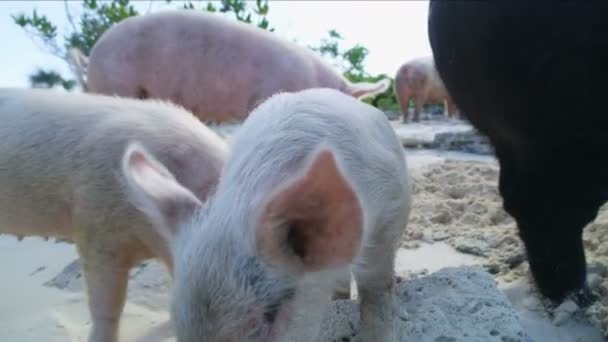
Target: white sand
x: 30, y: 311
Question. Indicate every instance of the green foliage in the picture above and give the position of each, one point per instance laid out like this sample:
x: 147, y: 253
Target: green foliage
x: 39, y: 25
x: 351, y: 60
x: 96, y: 17
x: 355, y: 57
x: 240, y: 10
x: 352, y: 63
x: 385, y: 100
x: 329, y: 46
x: 50, y: 79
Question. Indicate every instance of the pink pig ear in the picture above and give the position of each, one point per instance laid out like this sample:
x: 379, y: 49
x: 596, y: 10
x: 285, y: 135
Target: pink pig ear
x: 314, y: 221
x: 153, y: 190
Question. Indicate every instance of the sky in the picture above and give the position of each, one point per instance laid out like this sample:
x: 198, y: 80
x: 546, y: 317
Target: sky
x: 393, y: 31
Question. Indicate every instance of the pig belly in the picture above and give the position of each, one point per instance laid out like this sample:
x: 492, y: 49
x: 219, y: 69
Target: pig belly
x: 24, y: 213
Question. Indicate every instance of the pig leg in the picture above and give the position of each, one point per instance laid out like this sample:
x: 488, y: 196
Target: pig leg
x: 375, y: 285
x: 419, y: 103
x: 405, y: 108
x: 106, y: 290
x: 342, y: 290
x: 106, y: 276
x: 450, y: 108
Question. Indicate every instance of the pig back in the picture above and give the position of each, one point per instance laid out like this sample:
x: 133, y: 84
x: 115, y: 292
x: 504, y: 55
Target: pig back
x: 62, y: 152
x: 282, y: 134
x: 213, y: 66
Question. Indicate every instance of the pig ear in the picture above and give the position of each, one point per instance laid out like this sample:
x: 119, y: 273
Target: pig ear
x: 153, y: 190
x: 363, y: 90
x: 314, y: 221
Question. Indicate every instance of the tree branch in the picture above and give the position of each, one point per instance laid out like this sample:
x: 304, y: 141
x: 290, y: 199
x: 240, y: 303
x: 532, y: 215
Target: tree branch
x: 149, y: 6
x: 69, y: 15
x: 50, y: 46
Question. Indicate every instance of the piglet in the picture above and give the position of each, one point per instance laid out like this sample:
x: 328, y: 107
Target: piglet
x: 60, y: 162
x: 316, y: 185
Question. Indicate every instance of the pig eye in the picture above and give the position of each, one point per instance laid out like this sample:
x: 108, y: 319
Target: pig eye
x: 271, y: 314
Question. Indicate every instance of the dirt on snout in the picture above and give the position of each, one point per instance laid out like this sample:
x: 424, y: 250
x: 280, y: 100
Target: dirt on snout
x: 457, y: 202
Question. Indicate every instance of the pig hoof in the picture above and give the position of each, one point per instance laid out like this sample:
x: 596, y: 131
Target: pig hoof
x: 584, y: 297
x: 340, y: 295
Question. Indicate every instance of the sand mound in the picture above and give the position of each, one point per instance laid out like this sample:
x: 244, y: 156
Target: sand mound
x: 458, y: 203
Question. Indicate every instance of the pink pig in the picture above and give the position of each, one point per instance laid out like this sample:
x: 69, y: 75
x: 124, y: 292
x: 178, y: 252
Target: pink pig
x: 219, y: 69
x: 316, y: 186
x: 60, y: 176
x: 419, y: 81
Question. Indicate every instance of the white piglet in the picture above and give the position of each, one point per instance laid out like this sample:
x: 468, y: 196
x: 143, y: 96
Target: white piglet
x: 315, y: 185
x: 60, y: 175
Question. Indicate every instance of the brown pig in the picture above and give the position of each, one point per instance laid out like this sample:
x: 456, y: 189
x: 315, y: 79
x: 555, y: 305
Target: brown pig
x: 419, y: 81
x: 218, y: 68
x: 60, y: 176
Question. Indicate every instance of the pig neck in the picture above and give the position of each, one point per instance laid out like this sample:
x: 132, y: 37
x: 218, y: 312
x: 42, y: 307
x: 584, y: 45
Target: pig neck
x: 227, y: 216
x: 233, y: 211
x: 217, y: 233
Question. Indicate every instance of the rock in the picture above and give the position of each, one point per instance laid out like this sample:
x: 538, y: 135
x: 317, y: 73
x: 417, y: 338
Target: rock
x: 596, y: 267
x: 453, y: 304
x: 469, y: 141
x: 564, y: 311
x: 492, y: 267
x: 69, y: 279
x: 149, y: 283
x: 457, y: 304
x: 422, y: 134
x: 516, y: 259
x: 393, y: 114
x: 471, y: 246
x: 341, y: 322
x: 443, y: 134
